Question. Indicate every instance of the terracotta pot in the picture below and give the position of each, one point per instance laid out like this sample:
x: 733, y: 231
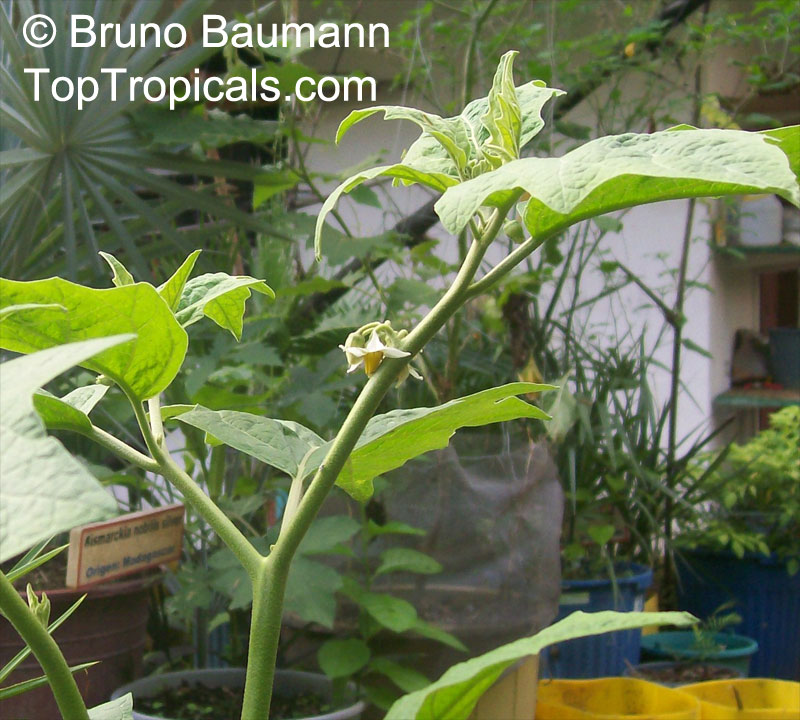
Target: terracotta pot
x: 109, y: 626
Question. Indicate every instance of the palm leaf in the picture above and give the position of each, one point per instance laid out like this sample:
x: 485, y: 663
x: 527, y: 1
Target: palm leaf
x: 78, y: 181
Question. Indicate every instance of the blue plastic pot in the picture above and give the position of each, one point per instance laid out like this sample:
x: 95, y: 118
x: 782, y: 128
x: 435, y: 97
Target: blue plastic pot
x: 765, y: 595
x: 599, y: 655
x: 784, y: 350
x: 736, y: 652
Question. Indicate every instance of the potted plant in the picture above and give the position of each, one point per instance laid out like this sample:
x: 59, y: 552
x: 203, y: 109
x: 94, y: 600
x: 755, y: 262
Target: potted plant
x: 709, y: 651
x: 743, y: 548
x: 141, y: 345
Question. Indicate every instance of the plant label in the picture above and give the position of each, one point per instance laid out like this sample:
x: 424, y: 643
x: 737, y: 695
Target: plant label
x: 103, y: 551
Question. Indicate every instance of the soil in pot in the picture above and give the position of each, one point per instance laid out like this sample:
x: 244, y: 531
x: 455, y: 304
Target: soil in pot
x: 198, y: 702
x: 683, y: 673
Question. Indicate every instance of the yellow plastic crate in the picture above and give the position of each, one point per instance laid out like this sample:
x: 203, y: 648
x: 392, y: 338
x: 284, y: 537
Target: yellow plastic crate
x: 747, y: 699
x: 613, y: 699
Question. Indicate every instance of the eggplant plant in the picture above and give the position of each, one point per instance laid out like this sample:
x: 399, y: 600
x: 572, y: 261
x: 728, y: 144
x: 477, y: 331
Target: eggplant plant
x: 134, y: 335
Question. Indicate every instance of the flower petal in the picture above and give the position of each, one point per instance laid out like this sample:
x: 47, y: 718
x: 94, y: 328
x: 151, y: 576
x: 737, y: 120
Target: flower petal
x: 395, y: 352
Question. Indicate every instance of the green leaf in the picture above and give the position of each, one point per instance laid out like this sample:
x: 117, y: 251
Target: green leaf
x: 407, y: 560
x: 343, y: 658
x: 621, y: 171
x: 31, y: 560
x: 392, y: 439
x: 502, y: 117
x: 119, y: 709
x: 282, y: 444
x: 788, y: 139
x: 694, y: 347
x: 44, y: 489
x: 172, y: 290
x: 391, y: 612
x: 407, y: 679
x: 392, y: 527
x: 144, y: 367
x: 426, y: 629
x: 10, y: 691
x: 70, y: 412
x: 366, y: 196
x: 220, y: 297
x: 328, y: 532
x: 608, y: 223
x: 387, y: 443
x: 310, y: 591
x: 600, y: 534
x: 121, y: 276
x: 271, y: 183
x: 435, y: 180
x: 455, y: 694
x: 450, y: 133
x: 448, y: 148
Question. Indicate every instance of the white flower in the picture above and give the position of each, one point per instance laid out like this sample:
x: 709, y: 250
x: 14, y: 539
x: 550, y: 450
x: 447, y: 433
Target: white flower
x: 405, y: 372
x: 370, y: 356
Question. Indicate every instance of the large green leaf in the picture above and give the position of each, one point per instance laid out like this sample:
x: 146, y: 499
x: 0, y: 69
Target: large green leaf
x: 282, y: 444
x: 144, y: 367
x: 621, y: 171
x: 388, y: 442
x: 392, y: 439
x: 218, y: 296
x: 43, y: 489
x: 455, y: 694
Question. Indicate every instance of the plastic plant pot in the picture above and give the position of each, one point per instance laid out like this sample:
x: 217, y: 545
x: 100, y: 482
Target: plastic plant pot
x: 287, y: 682
x: 765, y: 595
x: 617, y: 698
x: 681, y: 645
x: 752, y: 699
x: 784, y: 350
x: 599, y: 655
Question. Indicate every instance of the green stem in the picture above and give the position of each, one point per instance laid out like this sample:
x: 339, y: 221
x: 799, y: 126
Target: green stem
x: 505, y: 266
x: 121, y: 450
x: 247, y: 555
x: 68, y: 698
x: 270, y: 583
